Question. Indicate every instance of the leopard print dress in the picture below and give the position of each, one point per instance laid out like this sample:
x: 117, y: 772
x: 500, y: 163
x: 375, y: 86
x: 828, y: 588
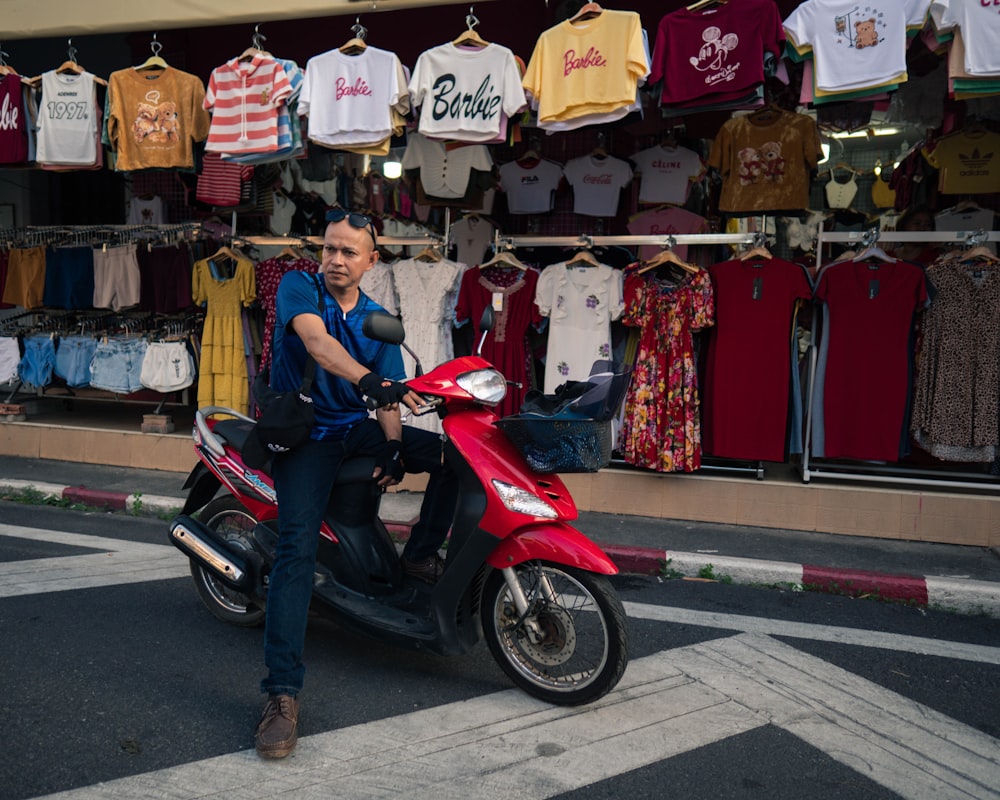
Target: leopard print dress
x: 955, y: 410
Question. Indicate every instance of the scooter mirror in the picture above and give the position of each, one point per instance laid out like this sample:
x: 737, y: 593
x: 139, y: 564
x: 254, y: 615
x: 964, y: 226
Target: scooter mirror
x: 383, y: 327
x: 486, y: 322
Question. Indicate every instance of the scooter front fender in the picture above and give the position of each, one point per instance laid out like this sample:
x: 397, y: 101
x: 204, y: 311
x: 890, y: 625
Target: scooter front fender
x: 554, y: 542
x: 203, y: 484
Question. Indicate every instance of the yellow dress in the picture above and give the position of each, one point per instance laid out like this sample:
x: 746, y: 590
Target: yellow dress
x: 223, y: 379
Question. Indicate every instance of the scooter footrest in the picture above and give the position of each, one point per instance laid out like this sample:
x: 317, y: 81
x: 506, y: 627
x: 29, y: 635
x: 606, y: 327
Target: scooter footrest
x: 393, y: 621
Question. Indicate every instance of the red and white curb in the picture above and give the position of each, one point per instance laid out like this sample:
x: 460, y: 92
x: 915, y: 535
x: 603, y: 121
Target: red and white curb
x: 961, y: 594
x: 137, y: 503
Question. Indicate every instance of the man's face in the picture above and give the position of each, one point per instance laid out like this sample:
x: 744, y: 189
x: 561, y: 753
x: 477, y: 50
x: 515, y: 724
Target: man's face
x: 348, y: 253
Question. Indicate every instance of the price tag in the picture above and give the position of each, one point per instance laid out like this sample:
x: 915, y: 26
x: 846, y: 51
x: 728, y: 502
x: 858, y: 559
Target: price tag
x: 498, y: 301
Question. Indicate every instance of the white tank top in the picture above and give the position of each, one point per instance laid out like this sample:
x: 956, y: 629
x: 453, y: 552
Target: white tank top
x: 840, y: 195
x: 67, y: 119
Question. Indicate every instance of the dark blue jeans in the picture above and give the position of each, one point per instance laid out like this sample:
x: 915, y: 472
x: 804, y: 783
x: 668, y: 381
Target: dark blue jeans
x: 303, y: 479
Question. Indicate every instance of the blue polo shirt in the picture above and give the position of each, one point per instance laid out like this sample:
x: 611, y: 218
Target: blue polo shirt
x: 338, y: 402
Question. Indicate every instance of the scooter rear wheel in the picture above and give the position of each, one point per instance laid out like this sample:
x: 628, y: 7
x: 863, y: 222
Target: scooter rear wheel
x: 571, y: 646
x: 227, y: 516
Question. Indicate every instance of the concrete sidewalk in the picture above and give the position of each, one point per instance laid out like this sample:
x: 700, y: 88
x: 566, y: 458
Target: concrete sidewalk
x: 966, y: 579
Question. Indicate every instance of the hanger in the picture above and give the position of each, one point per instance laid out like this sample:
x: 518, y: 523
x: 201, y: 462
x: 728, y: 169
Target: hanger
x: 667, y: 256
x: 766, y: 113
x: 589, y: 11
x: 226, y: 252
x: 431, y: 254
x: 68, y: 67
x: 504, y: 257
x: 154, y: 61
x: 870, y: 249
x: 584, y: 258
x: 289, y: 252
x: 469, y: 36
x: 256, y: 47
x: 705, y: 4
x: 5, y: 68
x: 759, y: 249
x: 599, y: 150
x: 357, y: 44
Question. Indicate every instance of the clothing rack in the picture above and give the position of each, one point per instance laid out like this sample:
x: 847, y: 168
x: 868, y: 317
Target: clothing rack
x: 37, y: 235
x: 600, y: 240
x: 879, y: 473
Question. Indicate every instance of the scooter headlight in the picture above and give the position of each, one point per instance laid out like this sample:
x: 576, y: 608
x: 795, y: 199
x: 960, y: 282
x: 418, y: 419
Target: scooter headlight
x: 486, y: 385
x: 523, y: 502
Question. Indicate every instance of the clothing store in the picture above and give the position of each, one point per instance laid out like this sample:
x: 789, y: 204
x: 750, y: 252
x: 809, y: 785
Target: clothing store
x: 780, y: 214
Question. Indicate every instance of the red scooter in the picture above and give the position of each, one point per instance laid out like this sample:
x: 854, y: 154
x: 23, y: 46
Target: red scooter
x: 516, y: 572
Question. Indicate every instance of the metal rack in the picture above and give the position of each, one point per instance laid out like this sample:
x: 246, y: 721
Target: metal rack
x: 884, y: 473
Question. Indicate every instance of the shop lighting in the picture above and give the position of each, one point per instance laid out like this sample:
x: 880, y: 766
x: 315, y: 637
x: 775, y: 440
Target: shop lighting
x: 867, y: 133
x: 392, y: 169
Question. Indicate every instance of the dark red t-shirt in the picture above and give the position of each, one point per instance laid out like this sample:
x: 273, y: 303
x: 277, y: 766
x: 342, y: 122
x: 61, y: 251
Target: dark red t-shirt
x: 13, y: 126
x: 871, y: 305
x: 745, y: 403
x: 716, y: 50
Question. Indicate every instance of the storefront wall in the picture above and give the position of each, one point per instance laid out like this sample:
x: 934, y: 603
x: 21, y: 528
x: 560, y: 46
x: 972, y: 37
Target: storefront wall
x: 197, y: 36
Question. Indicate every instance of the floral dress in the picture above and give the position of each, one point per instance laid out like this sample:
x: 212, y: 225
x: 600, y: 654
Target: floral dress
x: 662, y: 428
x: 580, y: 302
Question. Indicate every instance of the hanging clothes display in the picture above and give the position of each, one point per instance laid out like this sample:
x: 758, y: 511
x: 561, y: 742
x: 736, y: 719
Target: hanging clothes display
x: 955, y: 408
x: 866, y: 373
x: 428, y: 291
x: 764, y: 159
x: 243, y: 96
x: 530, y: 185
x: 223, y: 379
x: 68, y: 131
x: 586, y: 66
x: 580, y: 302
x: 268, y: 275
x: 154, y: 118
x: 13, y: 121
x: 349, y: 97
x: 666, y: 173
x: 747, y: 376
x: 597, y: 182
x: 511, y: 293
x: 465, y: 94
x: 715, y: 55
x: 661, y: 428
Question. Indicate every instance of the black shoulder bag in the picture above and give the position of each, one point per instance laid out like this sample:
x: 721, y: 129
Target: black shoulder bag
x: 286, y: 418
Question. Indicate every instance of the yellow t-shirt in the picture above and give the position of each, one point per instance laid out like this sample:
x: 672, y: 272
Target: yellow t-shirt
x: 155, y: 118
x: 588, y: 67
x: 968, y: 163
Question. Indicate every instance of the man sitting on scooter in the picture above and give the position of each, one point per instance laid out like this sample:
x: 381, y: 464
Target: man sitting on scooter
x: 350, y: 367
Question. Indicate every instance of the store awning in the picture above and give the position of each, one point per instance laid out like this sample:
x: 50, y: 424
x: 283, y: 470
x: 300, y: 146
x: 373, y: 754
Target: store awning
x: 31, y: 19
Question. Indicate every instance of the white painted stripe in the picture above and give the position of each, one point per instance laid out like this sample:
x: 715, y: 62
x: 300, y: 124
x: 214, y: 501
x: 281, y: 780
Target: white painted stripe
x: 120, y: 562
x: 823, y: 633
x: 903, y: 745
x: 511, y: 746
x: 46, y: 489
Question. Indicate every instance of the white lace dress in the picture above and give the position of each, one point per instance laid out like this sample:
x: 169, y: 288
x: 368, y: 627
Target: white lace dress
x: 427, y: 293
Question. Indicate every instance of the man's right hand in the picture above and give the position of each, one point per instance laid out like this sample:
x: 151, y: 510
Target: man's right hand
x: 380, y: 392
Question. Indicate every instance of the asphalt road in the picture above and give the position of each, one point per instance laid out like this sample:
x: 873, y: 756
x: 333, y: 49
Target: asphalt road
x: 118, y: 683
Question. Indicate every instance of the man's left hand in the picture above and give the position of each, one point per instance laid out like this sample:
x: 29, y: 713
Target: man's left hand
x: 389, y: 463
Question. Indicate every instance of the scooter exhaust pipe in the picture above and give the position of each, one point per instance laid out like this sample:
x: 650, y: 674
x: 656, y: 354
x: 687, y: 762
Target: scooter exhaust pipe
x: 239, y: 570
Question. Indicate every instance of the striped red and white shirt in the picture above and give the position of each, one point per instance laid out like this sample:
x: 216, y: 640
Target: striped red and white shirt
x: 244, y: 97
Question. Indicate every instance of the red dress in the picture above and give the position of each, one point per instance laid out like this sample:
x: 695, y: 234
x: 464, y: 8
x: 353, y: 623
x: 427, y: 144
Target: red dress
x: 745, y: 402
x: 867, y: 377
x: 268, y: 274
x: 506, y: 346
x: 662, y: 428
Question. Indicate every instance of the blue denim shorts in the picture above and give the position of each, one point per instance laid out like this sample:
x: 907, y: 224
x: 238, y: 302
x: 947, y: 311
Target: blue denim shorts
x: 73, y: 358
x: 38, y: 360
x: 117, y: 365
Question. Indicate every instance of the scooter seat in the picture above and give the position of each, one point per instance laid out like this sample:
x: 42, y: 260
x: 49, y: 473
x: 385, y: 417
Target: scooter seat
x: 235, y: 432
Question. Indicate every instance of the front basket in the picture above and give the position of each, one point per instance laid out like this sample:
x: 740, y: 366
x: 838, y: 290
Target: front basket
x: 560, y: 445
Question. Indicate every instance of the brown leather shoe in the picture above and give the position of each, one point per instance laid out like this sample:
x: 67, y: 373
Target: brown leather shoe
x: 428, y: 570
x: 277, y: 731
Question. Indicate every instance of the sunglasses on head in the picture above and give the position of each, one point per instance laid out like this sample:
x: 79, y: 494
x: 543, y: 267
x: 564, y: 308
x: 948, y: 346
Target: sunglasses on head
x: 355, y: 219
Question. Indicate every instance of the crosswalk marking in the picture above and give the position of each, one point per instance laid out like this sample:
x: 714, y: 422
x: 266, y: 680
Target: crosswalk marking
x: 118, y: 562
x: 509, y: 745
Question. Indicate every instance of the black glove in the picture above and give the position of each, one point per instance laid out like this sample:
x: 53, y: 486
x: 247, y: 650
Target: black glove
x: 388, y: 459
x: 379, y: 391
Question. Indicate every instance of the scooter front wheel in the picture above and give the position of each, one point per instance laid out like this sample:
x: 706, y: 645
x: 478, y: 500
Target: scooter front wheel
x: 570, y: 646
x: 227, y: 516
